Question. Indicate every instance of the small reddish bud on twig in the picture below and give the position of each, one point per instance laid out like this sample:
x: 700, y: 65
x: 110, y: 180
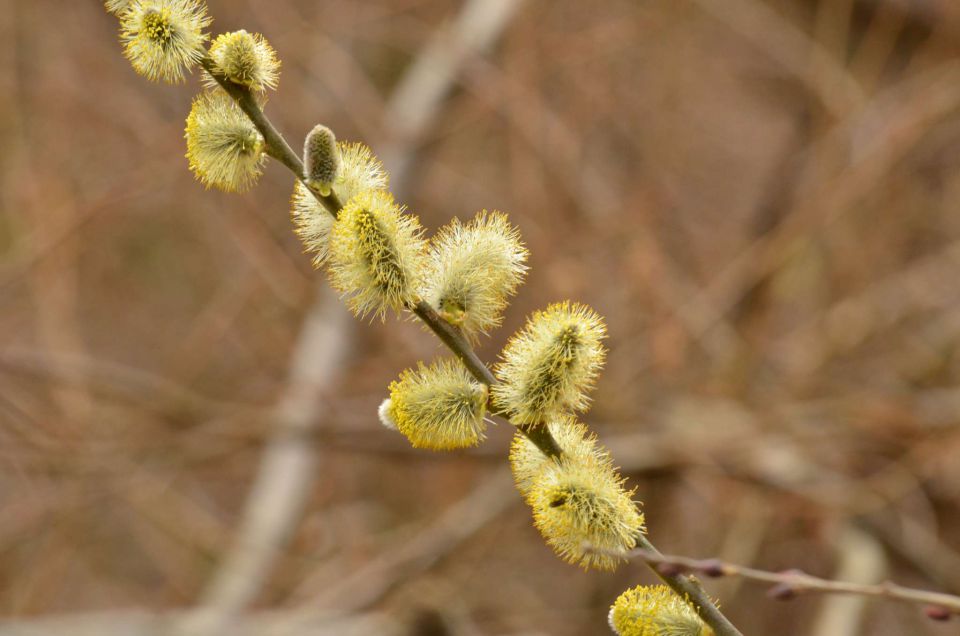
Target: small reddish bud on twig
x: 937, y: 613
x: 712, y: 568
x: 670, y: 569
x: 782, y: 592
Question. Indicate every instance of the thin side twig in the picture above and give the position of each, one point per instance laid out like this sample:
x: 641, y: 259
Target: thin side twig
x: 792, y: 582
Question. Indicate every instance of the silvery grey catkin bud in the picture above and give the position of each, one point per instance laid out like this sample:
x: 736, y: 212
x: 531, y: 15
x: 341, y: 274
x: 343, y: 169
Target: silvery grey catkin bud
x: 321, y: 158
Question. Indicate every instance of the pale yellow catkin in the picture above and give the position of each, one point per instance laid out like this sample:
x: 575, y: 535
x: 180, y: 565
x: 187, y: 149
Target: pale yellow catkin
x: 584, y: 513
x: 246, y: 59
x: 224, y: 148
x: 163, y: 39
x: 439, y: 407
x: 655, y: 610
x: 358, y: 171
x: 377, y: 255
x: 474, y: 268
x: 547, y: 368
x: 576, y: 441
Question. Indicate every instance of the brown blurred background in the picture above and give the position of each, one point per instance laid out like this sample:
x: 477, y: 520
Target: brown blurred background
x: 760, y: 196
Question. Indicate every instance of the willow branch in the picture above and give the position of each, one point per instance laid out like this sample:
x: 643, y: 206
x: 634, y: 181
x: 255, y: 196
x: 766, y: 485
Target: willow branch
x: 539, y: 434
x: 787, y: 584
x: 278, y: 148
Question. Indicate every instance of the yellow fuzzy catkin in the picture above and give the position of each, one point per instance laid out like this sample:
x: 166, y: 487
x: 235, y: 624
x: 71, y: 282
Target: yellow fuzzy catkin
x: 474, y: 268
x: 224, y: 148
x: 376, y: 255
x: 359, y: 171
x: 655, y: 610
x: 246, y: 59
x: 584, y: 513
x: 548, y: 367
x: 163, y: 38
x: 439, y: 407
x: 576, y: 441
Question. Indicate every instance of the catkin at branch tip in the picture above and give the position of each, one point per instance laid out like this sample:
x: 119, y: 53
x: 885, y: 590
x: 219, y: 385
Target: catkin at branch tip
x: 246, y: 59
x: 548, y: 367
x: 162, y: 38
x: 655, y: 610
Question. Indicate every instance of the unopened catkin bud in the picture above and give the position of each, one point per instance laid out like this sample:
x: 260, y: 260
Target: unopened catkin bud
x: 655, y: 610
x: 321, y: 159
x: 548, y: 367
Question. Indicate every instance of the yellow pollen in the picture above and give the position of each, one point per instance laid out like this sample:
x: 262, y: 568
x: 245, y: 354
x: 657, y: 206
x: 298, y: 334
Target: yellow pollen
x: 156, y: 25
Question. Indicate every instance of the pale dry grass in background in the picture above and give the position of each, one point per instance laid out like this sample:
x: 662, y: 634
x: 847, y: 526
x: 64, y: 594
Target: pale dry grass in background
x: 760, y: 197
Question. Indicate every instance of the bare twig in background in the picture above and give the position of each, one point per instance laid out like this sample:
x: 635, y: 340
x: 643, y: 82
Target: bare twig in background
x: 910, y: 111
x: 143, y: 623
x: 861, y: 560
x: 287, y: 469
x: 359, y: 590
x: 790, y: 47
x: 792, y: 582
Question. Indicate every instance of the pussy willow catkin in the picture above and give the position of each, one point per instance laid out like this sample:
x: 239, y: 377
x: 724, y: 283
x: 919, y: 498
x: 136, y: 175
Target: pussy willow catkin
x: 584, y: 513
x: 321, y: 159
x: 548, y: 368
x: 163, y: 39
x: 440, y: 406
x: 474, y: 268
x: 574, y: 439
x: 358, y: 170
x: 246, y: 59
x: 655, y: 610
x: 377, y: 255
x: 224, y: 149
